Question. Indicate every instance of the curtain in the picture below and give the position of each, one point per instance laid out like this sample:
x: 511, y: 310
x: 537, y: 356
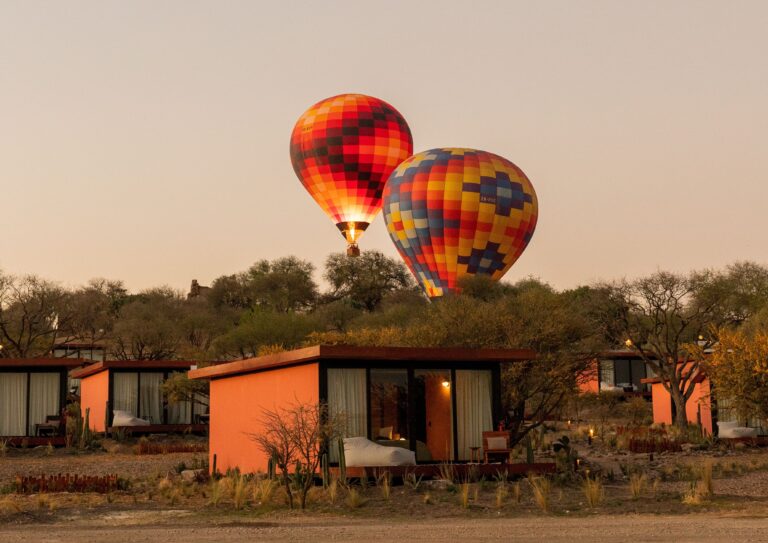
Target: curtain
x: 151, y: 397
x: 179, y: 412
x: 125, y: 387
x: 13, y: 404
x: 473, y: 409
x: 607, y: 374
x: 347, y: 397
x: 44, y: 398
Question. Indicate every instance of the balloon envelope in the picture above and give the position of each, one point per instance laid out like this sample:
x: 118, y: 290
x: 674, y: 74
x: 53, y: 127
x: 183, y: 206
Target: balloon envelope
x: 343, y: 149
x: 453, y: 212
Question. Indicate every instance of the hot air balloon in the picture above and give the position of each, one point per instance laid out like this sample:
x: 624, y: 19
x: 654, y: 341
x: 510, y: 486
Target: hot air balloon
x: 343, y: 150
x: 453, y: 212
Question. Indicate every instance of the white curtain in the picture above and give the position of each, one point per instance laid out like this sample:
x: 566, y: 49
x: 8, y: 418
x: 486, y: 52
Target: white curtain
x: 607, y: 374
x: 473, y: 409
x: 13, y: 404
x: 151, y: 397
x: 179, y: 412
x: 44, y: 398
x: 347, y: 397
x: 125, y: 386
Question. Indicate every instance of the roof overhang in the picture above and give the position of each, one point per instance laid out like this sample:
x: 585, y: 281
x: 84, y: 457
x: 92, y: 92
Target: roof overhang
x: 138, y: 365
x: 342, y: 352
x: 42, y: 362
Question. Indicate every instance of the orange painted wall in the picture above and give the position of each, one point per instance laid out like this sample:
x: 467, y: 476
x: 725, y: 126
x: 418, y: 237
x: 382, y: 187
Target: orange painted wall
x: 699, y: 400
x: 237, y: 403
x: 439, y: 420
x: 588, y: 380
x: 94, y: 394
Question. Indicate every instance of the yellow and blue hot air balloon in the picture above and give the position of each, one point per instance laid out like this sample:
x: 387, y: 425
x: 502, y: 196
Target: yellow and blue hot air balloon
x: 453, y: 212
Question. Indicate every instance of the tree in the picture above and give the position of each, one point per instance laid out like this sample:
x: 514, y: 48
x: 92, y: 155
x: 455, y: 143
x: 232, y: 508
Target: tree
x: 282, y: 285
x: 95, y: 308
x: 262, y: 328
x: 661, y: 317
x: 35, y: 315
x: 738, y: 369
x: 292, y: 438
x: 149, y: 326
x: 366, y: 279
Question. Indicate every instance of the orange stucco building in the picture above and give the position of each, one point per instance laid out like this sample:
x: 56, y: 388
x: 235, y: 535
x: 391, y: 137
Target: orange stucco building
x: 435, y: 402
x: 698, y: 407
x: 133, y: 387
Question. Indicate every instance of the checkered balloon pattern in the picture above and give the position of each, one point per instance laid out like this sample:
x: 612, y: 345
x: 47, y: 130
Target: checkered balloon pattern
x: 453, y: 212
x: 343, y: 150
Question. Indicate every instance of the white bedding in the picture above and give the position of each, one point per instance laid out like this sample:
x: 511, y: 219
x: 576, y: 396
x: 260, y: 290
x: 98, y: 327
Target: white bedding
x: 361, y: 452
x: 124, y: 418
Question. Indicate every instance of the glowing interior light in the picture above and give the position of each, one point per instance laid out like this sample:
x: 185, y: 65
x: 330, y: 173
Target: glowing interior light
x: 447, y: 384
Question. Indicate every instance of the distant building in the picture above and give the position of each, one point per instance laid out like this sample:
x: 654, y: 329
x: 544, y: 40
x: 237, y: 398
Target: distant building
x: 196, y: 290
x: 617, y: 371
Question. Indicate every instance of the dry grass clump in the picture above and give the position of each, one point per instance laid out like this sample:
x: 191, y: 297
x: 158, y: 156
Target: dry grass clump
x: 9, y: 505
x: 427, y: 498
x: 384, y: 482
x: 501, y: 495
x: 637, y: 484
x: 217, y: 492
x: 240, y: 493
x: 264, y: 491
x: 517, y: 492
x: 333, y: 490
x: 541, y: 488
x: 702, y: 489
x: 464, y: 489
x: 593, y: 491
x: 355, y: 499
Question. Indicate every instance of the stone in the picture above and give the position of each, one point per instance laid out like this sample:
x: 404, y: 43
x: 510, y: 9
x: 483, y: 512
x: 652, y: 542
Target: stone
x: 193, y: 475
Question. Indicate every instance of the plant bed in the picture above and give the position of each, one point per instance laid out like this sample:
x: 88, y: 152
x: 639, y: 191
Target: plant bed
x: 68, y: 483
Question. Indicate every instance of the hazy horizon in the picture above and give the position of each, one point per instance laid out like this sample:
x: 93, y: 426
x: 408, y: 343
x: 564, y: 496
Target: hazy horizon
x: 148, y: 141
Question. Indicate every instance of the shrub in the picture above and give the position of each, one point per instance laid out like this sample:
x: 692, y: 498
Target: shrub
x: 354, y: 500
x: 637, y: 483
x: 593, y: 491
x: 541, y: 490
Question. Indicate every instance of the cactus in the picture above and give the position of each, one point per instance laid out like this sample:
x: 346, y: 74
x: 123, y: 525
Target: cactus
x: 271, y: 469
x: 528, y: 449
x: 342, y: 462
x: 325, y: 471
x: 85, y: 431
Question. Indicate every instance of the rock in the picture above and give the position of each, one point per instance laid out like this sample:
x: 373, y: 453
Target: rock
x: 193, y: 475
x: 438, y: 484
x: 687, y: 447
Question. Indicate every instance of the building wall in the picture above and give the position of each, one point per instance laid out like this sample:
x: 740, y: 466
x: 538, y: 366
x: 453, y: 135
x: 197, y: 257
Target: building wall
x: 588, y: 380
x: 236, y: 406
x: 94, y: 394
x: 699, y: 400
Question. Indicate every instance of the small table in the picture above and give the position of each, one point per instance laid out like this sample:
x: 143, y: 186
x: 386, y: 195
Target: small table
x: 49, y: 429
x: 474, y: 454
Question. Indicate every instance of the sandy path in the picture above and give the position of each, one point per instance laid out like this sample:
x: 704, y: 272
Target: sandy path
x: 680, y: 529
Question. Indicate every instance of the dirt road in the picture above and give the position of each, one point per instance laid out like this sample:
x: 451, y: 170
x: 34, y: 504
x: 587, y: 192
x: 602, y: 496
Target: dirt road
x: 679, y: 529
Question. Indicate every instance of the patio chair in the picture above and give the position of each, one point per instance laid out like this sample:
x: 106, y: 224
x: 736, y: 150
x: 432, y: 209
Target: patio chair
x: 496, y: 447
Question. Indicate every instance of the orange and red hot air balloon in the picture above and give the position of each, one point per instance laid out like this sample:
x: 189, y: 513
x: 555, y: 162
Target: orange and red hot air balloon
x: 343, y: 149
x: 453, y: 212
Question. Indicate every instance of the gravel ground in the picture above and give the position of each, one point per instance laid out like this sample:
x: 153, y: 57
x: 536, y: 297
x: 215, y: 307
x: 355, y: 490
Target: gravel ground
x: 752, y: 485
x: 124, y: 465
x: 636, y: 528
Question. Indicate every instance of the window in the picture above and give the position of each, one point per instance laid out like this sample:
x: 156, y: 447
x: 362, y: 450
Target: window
x: 433, y: 418
x: 389, y: 405
x: 13, y: 404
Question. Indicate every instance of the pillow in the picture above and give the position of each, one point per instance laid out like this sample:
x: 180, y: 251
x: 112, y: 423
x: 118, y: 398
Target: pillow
x: 385, y: 432
x: 495, y: 443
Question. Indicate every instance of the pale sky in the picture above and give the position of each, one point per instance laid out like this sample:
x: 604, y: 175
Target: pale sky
x: 148, y: 141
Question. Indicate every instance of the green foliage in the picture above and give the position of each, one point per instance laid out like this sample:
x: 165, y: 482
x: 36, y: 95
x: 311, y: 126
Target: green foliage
x: 260, y: 328
x: 366, y: 279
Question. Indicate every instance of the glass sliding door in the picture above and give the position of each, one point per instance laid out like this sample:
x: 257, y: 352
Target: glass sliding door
x: 474, y: 414
x: 125, y: 392
x: 389, y: 406
x: 44, y: 398
x: 151, y: 397
x: 13, y: 404
x: 432, y: 423
x: 347, y: 399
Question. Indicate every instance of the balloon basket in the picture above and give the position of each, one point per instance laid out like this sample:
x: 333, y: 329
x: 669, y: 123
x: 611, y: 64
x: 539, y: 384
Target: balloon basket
x: 353, y: 250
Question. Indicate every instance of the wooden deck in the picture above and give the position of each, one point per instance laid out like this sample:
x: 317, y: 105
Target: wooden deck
x: 160, y: 429
x: 433, y: 471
